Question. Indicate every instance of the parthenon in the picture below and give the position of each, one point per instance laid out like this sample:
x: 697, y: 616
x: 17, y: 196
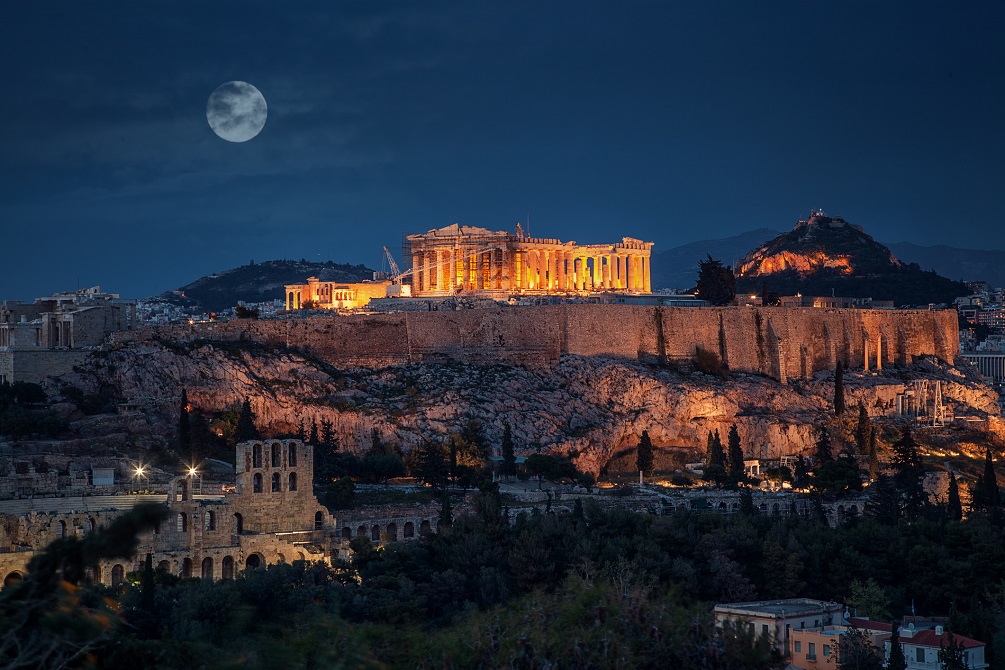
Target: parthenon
x: 466, y: 258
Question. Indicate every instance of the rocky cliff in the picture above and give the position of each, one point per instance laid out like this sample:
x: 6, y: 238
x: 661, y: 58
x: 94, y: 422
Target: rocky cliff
x: 588, y: 406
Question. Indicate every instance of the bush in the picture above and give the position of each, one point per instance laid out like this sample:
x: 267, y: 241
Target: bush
x: 709, y: 363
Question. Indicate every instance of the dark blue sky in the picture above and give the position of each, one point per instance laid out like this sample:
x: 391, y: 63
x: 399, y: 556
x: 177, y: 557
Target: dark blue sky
x: 671, y: 121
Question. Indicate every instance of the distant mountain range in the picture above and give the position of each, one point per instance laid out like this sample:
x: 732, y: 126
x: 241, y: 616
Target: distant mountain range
x: 678, y: 267
x: 258, y: 282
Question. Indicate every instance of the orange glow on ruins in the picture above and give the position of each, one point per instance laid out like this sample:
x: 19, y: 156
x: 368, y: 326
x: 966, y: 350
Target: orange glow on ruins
x: 804, y: 264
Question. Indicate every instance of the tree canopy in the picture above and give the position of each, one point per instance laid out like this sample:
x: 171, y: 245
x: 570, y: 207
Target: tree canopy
x: 716, y: 283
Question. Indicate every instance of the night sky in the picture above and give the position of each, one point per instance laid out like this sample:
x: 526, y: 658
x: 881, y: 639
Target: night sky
x: 670, y: 121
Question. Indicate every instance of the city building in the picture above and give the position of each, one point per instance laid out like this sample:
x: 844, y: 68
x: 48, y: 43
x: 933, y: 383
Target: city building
x: 776, y: 619
x: 819, y: 647
x: 459, y: 259
x: 50, y: 335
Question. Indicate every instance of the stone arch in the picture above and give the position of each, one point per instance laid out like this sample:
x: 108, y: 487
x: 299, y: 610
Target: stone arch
x: 840, y: 513
x: 182, y: 522
x: 425, y: 528
x: 292, y: 457
x: 181, y: 490
x: 346, y: 533
x: 375, y: 533
x: 392, y: 531
x: 96, y: 574
x: 256, y: 455
x: 186, y: 567
x: 256, y: 483
x: 89, y: 525
x: 290, y: 303
x: 293, y: 482
x: 722, y: 506
x: 319, y: 520
x: 300, y: 556
x: 210, y: 520
x: 280, y: 557
x: 227, y: 567
x: 277, y: 459
x: 164, y: 565
x: 361, y: 531
x: 60, y: 529
x: 238, y: 523
x: 408, y: 531
x: 254, y: 561
x: 853, y: 510
x: 13, y: 577
x: 763, y: 507
x: 118, y: 574
x: 277, y: 485
x: 207, y: 568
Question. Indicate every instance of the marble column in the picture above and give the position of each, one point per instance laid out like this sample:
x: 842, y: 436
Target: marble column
x: 605, y: 270
x: 879, y: 352
x: 429, y: 265
x: 440, y: 262
x: 646, y: 280
x: 561, y: 271
x: 417, y: 272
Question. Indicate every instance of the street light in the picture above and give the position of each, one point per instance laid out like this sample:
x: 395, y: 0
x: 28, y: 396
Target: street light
x: 139, y: 473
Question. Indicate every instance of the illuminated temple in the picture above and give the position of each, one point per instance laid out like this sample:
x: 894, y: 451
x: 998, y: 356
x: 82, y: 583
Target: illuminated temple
x: 458, y: 259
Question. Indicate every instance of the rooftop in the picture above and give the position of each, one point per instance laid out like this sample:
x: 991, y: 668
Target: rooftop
x: 787, y: 607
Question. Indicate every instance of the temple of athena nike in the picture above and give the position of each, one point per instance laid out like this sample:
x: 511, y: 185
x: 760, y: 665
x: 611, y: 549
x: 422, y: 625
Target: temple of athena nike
x: 462, y: 259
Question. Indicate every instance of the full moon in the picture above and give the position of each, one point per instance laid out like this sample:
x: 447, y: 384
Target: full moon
x: 236, y: 111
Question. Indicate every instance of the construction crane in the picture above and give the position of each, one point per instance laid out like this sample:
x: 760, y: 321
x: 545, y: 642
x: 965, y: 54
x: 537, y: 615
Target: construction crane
x: 395, y: 270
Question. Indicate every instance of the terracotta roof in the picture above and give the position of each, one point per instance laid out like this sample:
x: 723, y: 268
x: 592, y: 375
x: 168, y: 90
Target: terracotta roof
x: 866, y: 624
x: 928, y: 638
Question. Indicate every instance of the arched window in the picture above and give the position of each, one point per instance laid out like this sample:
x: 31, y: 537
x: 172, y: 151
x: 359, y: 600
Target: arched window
x: 293, y: 481
x: 375, y: 533
x: 361, y: 531
x: 256, y: 483
x: 392, y: 531
x: 186, y: 567
x: 292, y: 460
x: 238, y: 524
x: 256, y: 456
x: 227, y: 567
x: 89, y: 525
x: 182, y: 523
x: 425, y: 529
x: 165, y: 566
x: 207, y: 568
x: 276, y: 486
x: 12, y: 578
x: 253, y: 561
x: 347, y: 533
x: 210, y: 523
x: 409, y: 530
x: 276, y: 459
x: 118, y: 574
x: 319, y: 521
x: 61, y: 529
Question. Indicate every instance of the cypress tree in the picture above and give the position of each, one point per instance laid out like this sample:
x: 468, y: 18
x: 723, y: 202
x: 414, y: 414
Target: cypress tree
x: 314, y: 433
x: 718, y: 457
x: 508, y: 453
x: 985, y: 494
x: 301, y: 431
x: 863, y: 429
x: 735, y: 453
x: 896, y: 660
x: 184, y: 427
x: 910, y: 471
x: 446, y: 514
x: 823, y: 450
x: 873, y: 455
x: 246, y: 429
x: 800, y: 478
x: 644, y: 455
x: 955, y: 506
x: 839, y: 389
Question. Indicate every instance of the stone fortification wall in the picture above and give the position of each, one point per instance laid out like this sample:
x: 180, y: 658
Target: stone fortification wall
x: 780, y: 342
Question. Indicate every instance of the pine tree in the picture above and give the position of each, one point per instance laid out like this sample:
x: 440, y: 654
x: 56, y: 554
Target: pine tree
x: 718, y: 457
x: 863, y: 429
x: 644, y: 455
x: 327, y: 435
x: 508, y: 452
x: 314, y: 433
x: 954, y: 504
x: 735, y: 454
x: 839, y: 389
x: 246, y: 429
x: 822, y: 454
x: 184, y: 427
x: 896, y: 660
x: 909, y: 475
x: 301, y: 431
x: 716, y: 283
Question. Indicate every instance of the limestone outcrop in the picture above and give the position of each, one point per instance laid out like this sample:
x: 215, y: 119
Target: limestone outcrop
x: 587, y: 406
